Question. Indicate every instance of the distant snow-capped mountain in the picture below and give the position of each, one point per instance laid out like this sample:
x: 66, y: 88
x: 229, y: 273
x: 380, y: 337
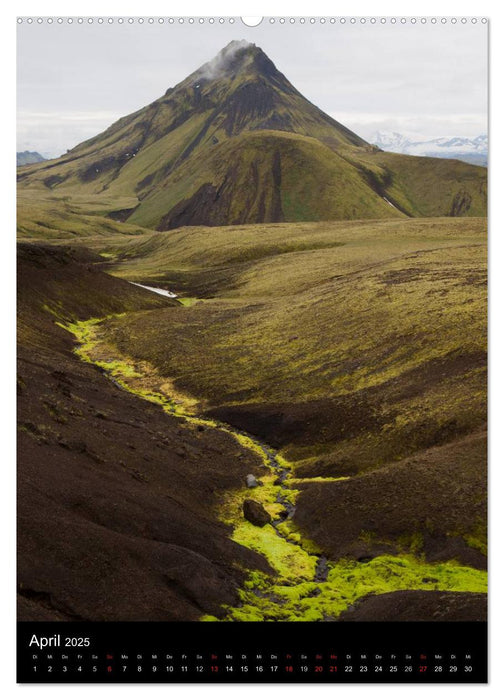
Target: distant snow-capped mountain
x: 469, y: 150
x: 390, y: 141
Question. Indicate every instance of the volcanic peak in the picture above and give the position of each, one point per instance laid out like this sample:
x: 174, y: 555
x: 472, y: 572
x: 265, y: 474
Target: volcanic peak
x: 239, y: 56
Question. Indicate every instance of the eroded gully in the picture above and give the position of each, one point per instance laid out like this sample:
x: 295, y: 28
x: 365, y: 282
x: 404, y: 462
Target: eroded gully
x: 88, y: 336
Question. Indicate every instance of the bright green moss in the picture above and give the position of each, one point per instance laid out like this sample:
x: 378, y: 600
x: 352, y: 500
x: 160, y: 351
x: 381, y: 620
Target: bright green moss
x: 291, y: 592
x: 291, y: 562
x: 315, y: 480
x: 283, y: 462
x: 250, y: 444
x: 346, y: 583
x: 84, y: 332
x: 289, y: 530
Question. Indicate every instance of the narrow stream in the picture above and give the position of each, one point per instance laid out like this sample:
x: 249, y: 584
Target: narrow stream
x: 306, y: 586
x: 283, y: 473
x: 87, y: 335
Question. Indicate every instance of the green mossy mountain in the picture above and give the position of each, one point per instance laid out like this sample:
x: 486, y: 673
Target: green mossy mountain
x: 236, y: 143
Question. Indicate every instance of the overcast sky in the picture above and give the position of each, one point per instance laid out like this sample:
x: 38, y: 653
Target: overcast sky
x: 423, y: 81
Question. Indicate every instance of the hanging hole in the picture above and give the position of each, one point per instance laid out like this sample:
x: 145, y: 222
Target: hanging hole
x: 252, y: 21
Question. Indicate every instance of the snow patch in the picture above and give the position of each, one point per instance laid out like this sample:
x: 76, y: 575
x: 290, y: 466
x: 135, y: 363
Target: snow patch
x: 389, y: 202
x: 156, y: 290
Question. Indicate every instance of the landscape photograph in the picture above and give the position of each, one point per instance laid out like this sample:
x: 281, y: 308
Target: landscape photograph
x: 251, y: 322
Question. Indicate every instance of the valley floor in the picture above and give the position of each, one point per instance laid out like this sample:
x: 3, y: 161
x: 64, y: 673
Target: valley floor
x: 341, y: 364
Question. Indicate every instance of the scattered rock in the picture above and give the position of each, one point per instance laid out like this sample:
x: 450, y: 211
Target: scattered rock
x: 73, y: 445
x: 255, y: 513
x: 139, y: 476
x: 251, y: 481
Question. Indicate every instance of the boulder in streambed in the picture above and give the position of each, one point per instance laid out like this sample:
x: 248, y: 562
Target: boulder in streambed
x: 255, y: 513
x: 251, y: 481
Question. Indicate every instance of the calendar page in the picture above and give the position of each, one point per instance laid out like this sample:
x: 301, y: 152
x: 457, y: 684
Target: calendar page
x: 252, y: 349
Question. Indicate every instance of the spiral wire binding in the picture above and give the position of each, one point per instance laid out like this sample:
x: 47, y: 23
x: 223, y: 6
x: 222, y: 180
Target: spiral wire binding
x: 270, y: 20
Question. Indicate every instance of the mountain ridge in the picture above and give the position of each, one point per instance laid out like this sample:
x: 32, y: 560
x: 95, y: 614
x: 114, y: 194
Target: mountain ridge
x: 179, y: 154
x: 28, y: 157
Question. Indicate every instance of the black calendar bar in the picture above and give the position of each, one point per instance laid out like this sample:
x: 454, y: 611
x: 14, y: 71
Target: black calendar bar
x: 234, y: 652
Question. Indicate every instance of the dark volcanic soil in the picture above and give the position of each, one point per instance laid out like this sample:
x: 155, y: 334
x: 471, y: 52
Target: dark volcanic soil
x: 115, y: 497
x: 418, y: 606
x: 359, y: 415
x: 435, y: 498
x: 329, y: 419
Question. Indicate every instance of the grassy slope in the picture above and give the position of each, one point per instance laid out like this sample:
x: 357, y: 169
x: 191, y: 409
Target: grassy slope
x: 44, y: 216
x: 430, y: 186
x: 259, y: 177
x: 312, y: 183
x: 350, y: 345
x: 188, y: 251
x: 367, y: 319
